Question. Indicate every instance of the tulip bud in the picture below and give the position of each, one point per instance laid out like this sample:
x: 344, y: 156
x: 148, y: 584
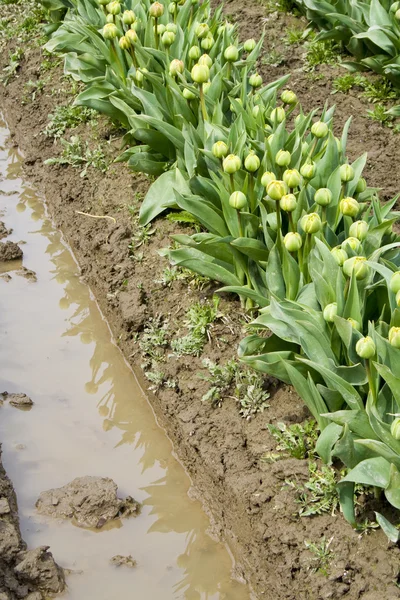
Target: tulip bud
x: 156, y: 10
x: 231, y: 54
x: 249, y: 45
x: 292, y: 178
x: 131, y: 36
x: 288, y: 97
x: 395, y: 282
x: 128, y: 17
x: 304, y: 148
x: 356, y: 265
x: 319, y: 129
x: 252, y: 162
x: 308, y: 170
x: 206, y: 86
x: 355, y: 324
x: 110, y: 31
x: 207, y: 43
x: 267, y: 177
x: 292, y: 241
x: 338, y: 144
x: 172, y: 8
x: 353, y: 242
x: 394, y: 337
x: 395, y: 428
x: 110, y: 19
x: 361, y: 185
x: 172, y: 27
x: 237, y: 200
x: 394, y: 7
x: 160, y: 29
x: 339, y: 255
x: 194, y: 53
x: 188, y: 95
x: 103, y: 2
x: 276, y: 189
x: 255, y: 80
x: 359, y: 230
x: 255, y: 111
x: 124, y: 43
x: 202, y: 30
x: 311, y: 223
x: 220, y: 149
x: 288, y: 202
x: 398, y: 298
x: 330, y: 312
x: 168, y: 38
x: 349, y: 207
x: 176, y: 67
x: 278, y: 115
x: 397, y: 15
x: 139, y: 76
x: 346, y: 173
x: 206, y: 60
x: 323, y: 197
x: 114, y: 8
x: 283, y: 158
x: 366, y: 348
x: 231, y: 164
x: 200, y: 74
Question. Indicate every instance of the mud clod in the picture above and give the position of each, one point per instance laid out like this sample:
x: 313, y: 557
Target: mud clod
x: 118, y: 560
x: 90, y: 501
x: 4, y: 232
x: 10, y: 251
x: 38, y: 568
x: 18, y: 400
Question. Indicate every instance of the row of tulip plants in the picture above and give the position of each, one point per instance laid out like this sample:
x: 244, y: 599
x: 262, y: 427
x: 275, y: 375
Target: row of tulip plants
x: 288, y: 224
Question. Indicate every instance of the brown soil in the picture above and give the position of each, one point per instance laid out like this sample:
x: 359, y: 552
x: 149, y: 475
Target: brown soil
x: 255, y: 511
x: 9, y: 251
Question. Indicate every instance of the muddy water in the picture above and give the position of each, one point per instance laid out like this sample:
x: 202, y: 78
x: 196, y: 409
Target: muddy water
x: 90, y: 417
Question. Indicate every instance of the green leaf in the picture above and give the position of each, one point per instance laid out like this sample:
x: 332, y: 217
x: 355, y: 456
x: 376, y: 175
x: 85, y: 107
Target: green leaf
x: 161, y: 195
x: 392, y: 492
x: 391, y: 532
x: 373, y: 471
x: 327, y: 440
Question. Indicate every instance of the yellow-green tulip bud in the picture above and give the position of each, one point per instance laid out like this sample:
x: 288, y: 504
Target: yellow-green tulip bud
x: 206, y: 86
x: 176, y: 67
x: 132, y: 37
x: 207, y: 43
x: 172, y: 8
x: 353, y: 243
x: 161, y: 29
x: 249, y: 45
x: 110, y: 19
x: 304, y: 148
x: 346, y: 173
x: 110, y: 31
x: 267, y: 177
x: 338, y: 144
x: 278, y: 115
x: 308, y: 170
x: 200, y: 74
x: 114, y: 8
x: 311, y: 223
x: 194, y: 53
x: 156, y: 10
x: 139, y: 76
x: 356, y: 265
x: 231, y: 164
x: 330, y: 312
x: 339, y: 255
x: 103, y: 2
x: 349, y: 207
x: 323, y: 197
x: 397, y: 15
x: 288, y: 202
x: 188, y: 95
x: 395, y: 282
x: 292, y: 241
x: 359, y: 230
x: 168, y: 38
x: 394, y: 7
x: 289, y: 97
x: 237, y: 200
x: 128, y: 17
x: 252, y: 162
x: 319, y: 129
x: 255, y: 80
x: 124, y: 43
x: 292, y: 178
x: 231, y: 54
x: 394, y: 337
x: 256, y: 110
x: 283, y: 158
x: 202, y: 30
x: 206, y: 60
x: 366, y: 348
x: 398, y: 298
x: 395, y: 428
x: 361, y: 185
x: 276, y: 189
x: 220, y: 149
x: 172, y: 27
x: 355, y: 324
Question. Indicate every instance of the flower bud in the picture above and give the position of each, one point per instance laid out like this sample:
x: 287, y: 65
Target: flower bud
x: 276, y: 189
x: 292, y: 241
x: 311, y: 223
x: 283, y: 158
x: 395, y: 428
x: 304, y: 148
x: 252, y: 162
x: 160, y: 29
x: 128, y: 17
x: 394, y: 7
x: 156, y: 10
x: 397, y: 15
x: 188, y: 95
x: 355, y: 324
x: 323, y: 197
x: 176, y: 67
x: 206, y: 86
x: 319, y: 129
x: 398, y: 298
x: 114, y: 8
x: 172, y: 8
x: 330, y: 312
x: 131, y: 36
x: 292, y: 178
x: 110, y: 31
x: 361, y: 185
x: 249, y: 45
x: 278, y: 115
x: 349, y: 207
x: 308, y: 170
x: 356, y: 265
x: 366, y: 348
x: 339, y: 255
x: 200, y: 74
x: 231, y: 164
x: 231, y: 54
x: 288, y: 97
x: 207, y: 43
x: 233, y: 108
x: 220, y: 149
x: 394, y: 337
x: 267, y: 177
x: 139, y: 76
x: 346, y: 173
x: 395, y: 282
x: 168, y: 38
x: 255, y: 111
x: 194, y: 53
x: 288, y: 202
x: 172, y: 27
x: 255, y: 80
x: 206, y: 60
x: 202, y: 30
x: 110, y: 19
x: 124, y: 43
x: 353, y: 243
x: 359, y: 230
x: 103, y: 2
x: 237, y: 200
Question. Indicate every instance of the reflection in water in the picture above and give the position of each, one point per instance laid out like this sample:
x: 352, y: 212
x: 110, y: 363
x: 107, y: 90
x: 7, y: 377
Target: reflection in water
x: 202, y: 566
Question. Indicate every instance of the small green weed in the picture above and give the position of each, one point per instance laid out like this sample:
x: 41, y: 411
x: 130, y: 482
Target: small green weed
x: 77, y: 154
x: 322, y: 553
x: 155, y: 339
x: 294, y: 36
x: 68, y: 117
x: 319, y: 494
x: 297, y: 440
x: 344, y: 83
x: 251, y: 394
x: 221, y: 378
x: 199, y: 320
x: 141, y: 236
x: 273, y: 58
x: 323, y: 52
x: 379, y: 90
x: 10, y: 71
x: 158, y: 379
x: 171, y: 274
x: 32, y: 89
x: 379, y: 114
x: 271, y: 6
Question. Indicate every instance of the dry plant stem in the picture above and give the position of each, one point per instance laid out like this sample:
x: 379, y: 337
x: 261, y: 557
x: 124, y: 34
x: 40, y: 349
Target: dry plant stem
x: 78, y: 212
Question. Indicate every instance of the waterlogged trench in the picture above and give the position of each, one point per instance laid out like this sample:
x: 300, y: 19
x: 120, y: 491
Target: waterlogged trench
x: 90, y: 417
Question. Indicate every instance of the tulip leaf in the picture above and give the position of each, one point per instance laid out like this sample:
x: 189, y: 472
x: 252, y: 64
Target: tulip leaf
x: 391, y: 532
x: 327, y: 440
x: 161, y: 195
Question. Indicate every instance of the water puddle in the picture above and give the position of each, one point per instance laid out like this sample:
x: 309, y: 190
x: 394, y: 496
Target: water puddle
x: 90, y: 417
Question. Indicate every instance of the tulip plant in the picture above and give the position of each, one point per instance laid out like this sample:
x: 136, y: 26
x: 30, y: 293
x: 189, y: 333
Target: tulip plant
x: 288, y: 224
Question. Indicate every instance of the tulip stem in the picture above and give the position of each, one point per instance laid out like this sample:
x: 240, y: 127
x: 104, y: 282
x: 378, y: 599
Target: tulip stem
x: 135, y: 62
x: 278, y: 216
x: 232, y: 180
x: 346, y: 289
x: 203, y: 103
x: 251, y: 193
x: 190, y: 18
x: 310, y: 154
x: 229, y: 73
x: 291, y: 223
x: 240, y: 224
x: 121, y: 67
x: 156, y: 31
x: 371, y: 381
